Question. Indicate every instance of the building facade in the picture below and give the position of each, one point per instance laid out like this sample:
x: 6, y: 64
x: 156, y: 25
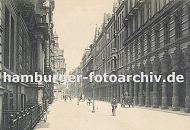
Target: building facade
x: 75, y: 87
x: 87, y: 68
x: 108, y: 54
x: 26, y: 44
x: 59, y: 65
x: 144, y: 36
x: 158, y: 41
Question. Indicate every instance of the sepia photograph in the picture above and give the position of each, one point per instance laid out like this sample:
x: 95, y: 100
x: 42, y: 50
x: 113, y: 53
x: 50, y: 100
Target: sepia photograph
x: 94, y: 64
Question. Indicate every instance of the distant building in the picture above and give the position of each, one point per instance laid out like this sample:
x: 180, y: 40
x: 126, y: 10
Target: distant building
x: 107, y: 54
x: 59, y: 65
x: 87, y: 68
x: 75, y: 88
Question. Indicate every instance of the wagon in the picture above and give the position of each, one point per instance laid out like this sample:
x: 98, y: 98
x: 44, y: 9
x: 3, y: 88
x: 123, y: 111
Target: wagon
x: 127, y: 100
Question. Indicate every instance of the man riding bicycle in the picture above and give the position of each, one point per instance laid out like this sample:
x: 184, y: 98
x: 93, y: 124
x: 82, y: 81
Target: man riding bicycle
x: 114, y: 106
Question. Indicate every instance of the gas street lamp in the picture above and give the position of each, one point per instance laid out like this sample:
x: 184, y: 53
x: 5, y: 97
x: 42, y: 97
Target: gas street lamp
x: 93, y: 103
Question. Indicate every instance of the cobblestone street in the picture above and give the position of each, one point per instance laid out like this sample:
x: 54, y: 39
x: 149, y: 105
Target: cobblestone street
x: 68, y: 116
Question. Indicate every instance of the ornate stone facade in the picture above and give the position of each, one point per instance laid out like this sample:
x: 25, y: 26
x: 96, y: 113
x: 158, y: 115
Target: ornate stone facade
x: 59, y: 65
x: 156, y: 39
x: 26, y: 41
x: 163, y: 33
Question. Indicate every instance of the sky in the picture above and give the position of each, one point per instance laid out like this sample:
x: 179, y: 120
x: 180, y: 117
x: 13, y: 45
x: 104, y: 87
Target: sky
x: 75, y: 22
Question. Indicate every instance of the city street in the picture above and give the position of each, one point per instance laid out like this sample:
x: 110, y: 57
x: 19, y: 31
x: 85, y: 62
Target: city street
x: 69, y: 116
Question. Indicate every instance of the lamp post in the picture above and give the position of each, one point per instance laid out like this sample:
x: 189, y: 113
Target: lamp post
x: 76, y: 86
x: 93, y: 103
x: 78, y: 96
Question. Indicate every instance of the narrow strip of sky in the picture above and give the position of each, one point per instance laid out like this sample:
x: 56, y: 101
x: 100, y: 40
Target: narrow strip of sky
x: 75, y: 22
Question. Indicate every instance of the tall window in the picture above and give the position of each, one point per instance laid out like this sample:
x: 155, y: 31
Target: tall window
x: 131, y: 4
x: 142, y: 45
x: 136, y: 21
x: 122, y: 58
x: 157, y: 5
x: 157, y: 36
x: 149, y: 40
x: 136, y: 49
x: 178, y: 28
x: 166, y: 31
x: 131, y: 25
x: 142, y: 15
x: 131, y: 52
x: 149, y: 8
x: 6, y: 46
x: 9, y: 41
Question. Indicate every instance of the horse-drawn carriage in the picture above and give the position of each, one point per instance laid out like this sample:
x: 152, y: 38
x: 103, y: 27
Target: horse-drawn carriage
x: 126, y: 100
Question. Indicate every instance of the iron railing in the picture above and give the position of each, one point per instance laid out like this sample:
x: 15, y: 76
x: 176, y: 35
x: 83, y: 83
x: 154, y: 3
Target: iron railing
x: 23, y: 120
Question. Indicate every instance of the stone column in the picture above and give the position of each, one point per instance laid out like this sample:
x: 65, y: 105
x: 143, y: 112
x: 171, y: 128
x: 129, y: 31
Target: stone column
x: 141, y: 93
x: 40, y: 61
x: 135, y: 87
x: 39, y: 38
x: 165, y: 71
x: 187, y: 98
x: 147, y: 71
x: 177, y: 60
x: 47, y: 57
x: 156, y: 71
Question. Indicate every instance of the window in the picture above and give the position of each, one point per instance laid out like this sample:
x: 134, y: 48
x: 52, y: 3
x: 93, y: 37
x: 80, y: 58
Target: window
x: 149, y: 40
x: 157, y: 5
x: 119, y: 60
x: 142, y: 15
x: 11, y: 101
x: 136, y: 21
x: 157, y: 36
x: 136, y: 49
x: 9, y: 40
x: 131, y: 25
x: 120, y: 43
x: 131, y: 3
x: 6, y: 46
x: 177, y: 20
x: 131, y: 52
x: 164, y: 2
x: 142, y: 45
x: 149, y: 8
x: 123, y: 58
x: 166, y: 31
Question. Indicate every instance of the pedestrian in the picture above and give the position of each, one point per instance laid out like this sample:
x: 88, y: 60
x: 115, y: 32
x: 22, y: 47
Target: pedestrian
x: 89, y: 101
x: 65, y: 98
x: 114, y: 106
